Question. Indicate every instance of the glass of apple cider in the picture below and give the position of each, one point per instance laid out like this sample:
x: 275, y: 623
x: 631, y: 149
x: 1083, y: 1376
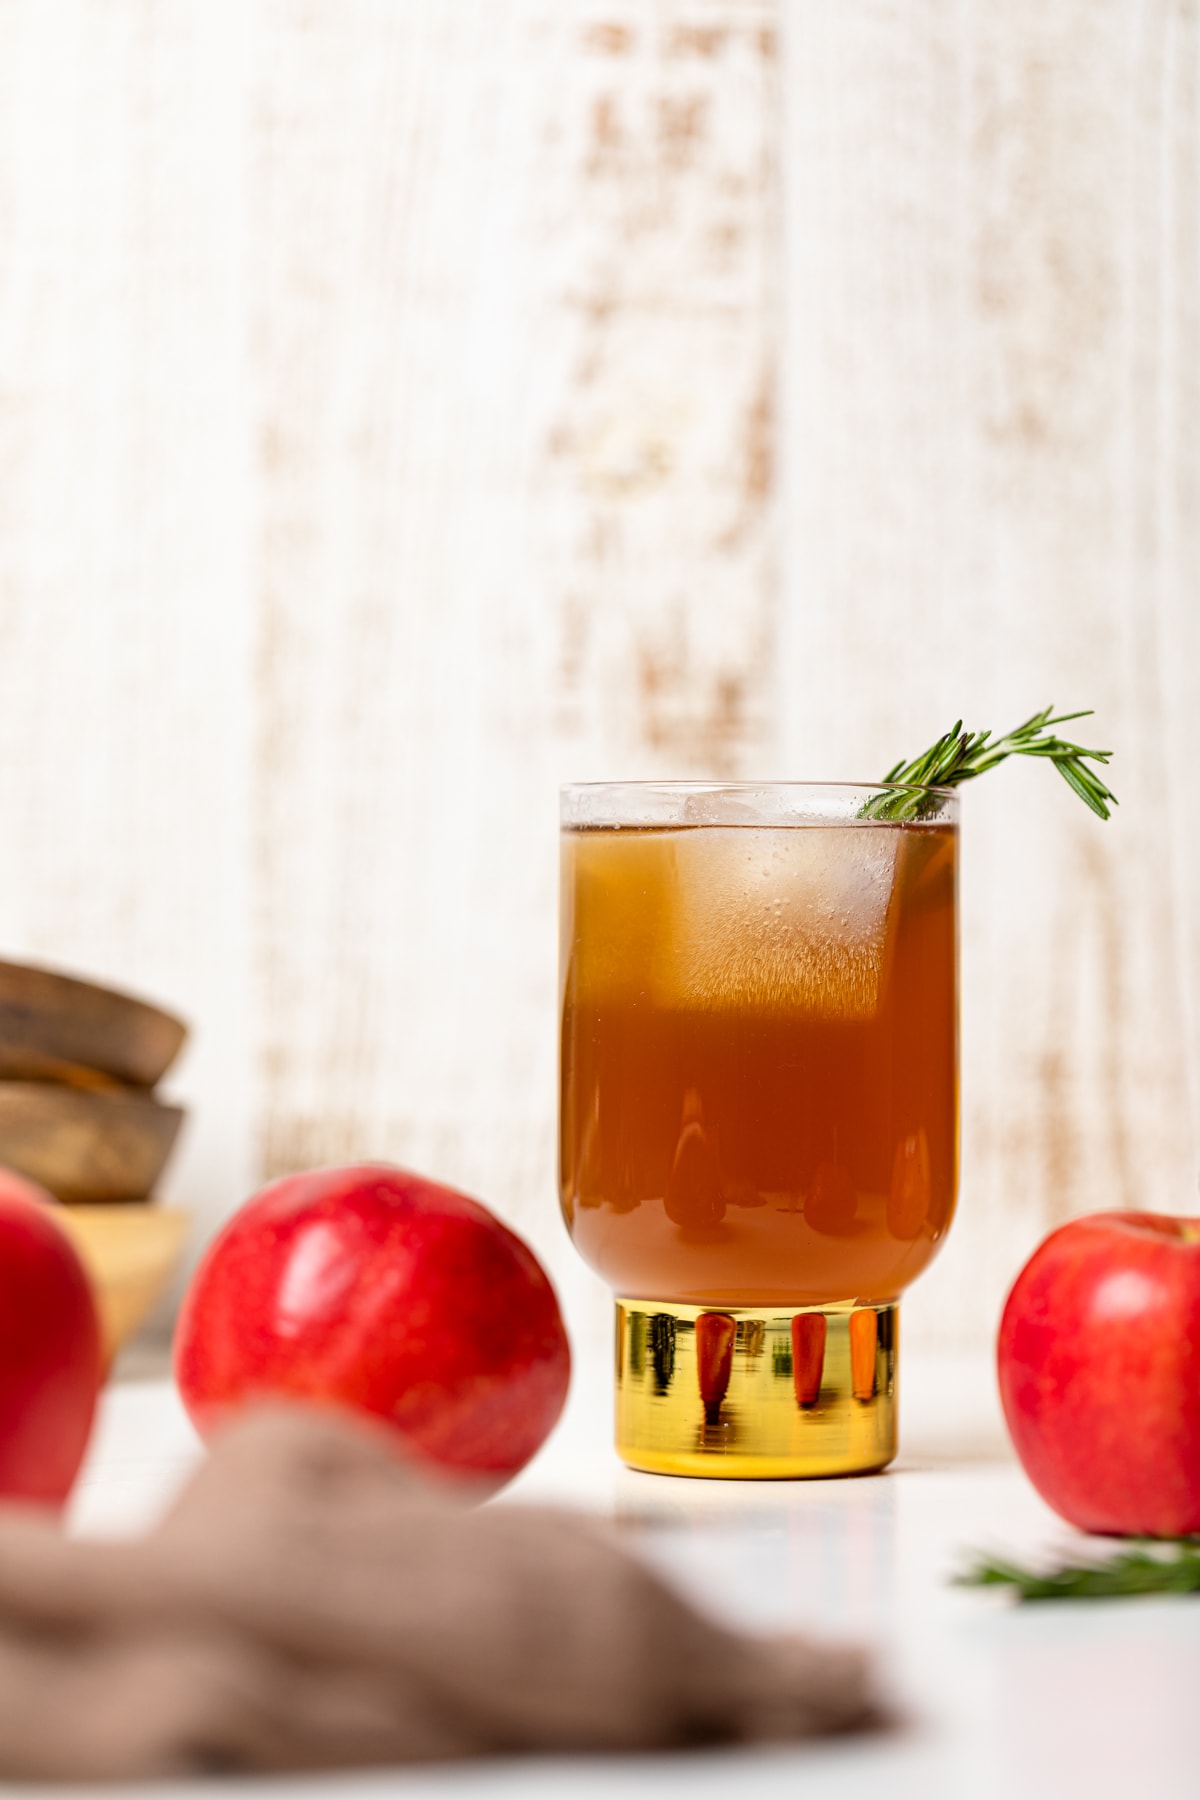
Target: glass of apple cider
x: 759, y: 1107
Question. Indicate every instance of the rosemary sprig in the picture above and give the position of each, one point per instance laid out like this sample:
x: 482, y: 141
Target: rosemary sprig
x: 1146, y: 1566
x: 962, y: 755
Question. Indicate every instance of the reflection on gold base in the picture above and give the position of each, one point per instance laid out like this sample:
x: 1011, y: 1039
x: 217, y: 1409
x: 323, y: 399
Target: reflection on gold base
x: 756, y: 1392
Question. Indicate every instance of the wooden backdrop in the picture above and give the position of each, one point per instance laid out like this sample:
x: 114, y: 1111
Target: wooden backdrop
x: 406, y: 405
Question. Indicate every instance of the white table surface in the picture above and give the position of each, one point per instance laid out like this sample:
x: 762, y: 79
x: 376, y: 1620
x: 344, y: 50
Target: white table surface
x: 1089, y: 1698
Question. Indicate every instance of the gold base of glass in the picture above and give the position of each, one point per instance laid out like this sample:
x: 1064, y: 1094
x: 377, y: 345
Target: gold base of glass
x: 758, y: 1393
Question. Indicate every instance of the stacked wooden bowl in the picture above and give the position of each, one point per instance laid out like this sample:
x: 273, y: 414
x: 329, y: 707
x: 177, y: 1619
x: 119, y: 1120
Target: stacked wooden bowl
x: 78, y: 1113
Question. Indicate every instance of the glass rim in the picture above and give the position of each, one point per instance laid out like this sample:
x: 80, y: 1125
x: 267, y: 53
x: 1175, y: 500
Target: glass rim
x: 674, y: 805
x: 643, y: 784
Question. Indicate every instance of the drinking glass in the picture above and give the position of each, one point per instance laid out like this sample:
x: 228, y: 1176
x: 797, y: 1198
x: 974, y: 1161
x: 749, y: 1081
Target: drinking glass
x: 758, y: 1107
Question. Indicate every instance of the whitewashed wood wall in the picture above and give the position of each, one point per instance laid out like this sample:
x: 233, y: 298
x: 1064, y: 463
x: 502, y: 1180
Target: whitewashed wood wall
x: 406, y: 405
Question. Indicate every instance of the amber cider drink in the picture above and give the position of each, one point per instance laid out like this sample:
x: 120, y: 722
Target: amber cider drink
x: 759, y: 1108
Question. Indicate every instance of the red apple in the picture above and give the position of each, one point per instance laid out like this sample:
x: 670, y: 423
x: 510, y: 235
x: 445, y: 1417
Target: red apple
x: 371, y: 1288
x: 51, y: 1363
x: 1099, y: 1363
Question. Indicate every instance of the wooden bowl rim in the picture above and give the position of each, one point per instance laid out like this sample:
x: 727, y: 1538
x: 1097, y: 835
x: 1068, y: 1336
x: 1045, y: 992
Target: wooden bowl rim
x: 62, y: 1096
x: 81, y: 984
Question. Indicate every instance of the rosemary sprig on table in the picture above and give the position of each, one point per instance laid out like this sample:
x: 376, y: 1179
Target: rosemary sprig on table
x: 1146, y: 1566
x: 962, y: 755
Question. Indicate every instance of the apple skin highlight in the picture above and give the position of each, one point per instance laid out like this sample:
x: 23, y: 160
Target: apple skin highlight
x: 1099, y: 1367
x: 373, y: 1289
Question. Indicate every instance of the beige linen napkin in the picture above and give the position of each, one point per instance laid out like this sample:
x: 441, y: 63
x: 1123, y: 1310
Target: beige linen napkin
x: 312, y: 1601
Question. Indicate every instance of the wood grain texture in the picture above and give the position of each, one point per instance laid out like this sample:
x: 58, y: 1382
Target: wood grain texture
x: 993, y: 293
x: 86, y: 1145
x: 406, y: 408
x: 125, y: 505
x: 56, y: 1028
x: 508, y: 534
